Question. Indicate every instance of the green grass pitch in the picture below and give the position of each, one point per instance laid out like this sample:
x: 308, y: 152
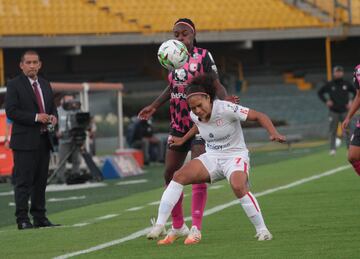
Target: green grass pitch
x: 317, y: 219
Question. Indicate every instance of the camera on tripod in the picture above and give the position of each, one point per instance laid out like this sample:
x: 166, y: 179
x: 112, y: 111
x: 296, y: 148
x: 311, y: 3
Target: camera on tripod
x: 78, y: 122
x: 75, y: 124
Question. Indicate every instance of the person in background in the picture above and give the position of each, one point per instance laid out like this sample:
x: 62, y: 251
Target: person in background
x: 141, y: 136
x: 337, y: 95
x: 66, y: 140
x: 29, y: 103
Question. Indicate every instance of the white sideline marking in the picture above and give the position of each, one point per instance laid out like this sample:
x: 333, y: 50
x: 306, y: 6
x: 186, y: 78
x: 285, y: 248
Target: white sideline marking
x: 63, y: 187
x: 206, y: 213
x: 71, y: 198
x: 154, y: 203
x: 107, y: 216
x: 135, y: 208
x: 81, y: 224
x: 7, y: 193
x: 132, y: 182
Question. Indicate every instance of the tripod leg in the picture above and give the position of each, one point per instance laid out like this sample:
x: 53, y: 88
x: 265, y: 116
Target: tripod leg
x: 94, y: 170
x: 61, y: 163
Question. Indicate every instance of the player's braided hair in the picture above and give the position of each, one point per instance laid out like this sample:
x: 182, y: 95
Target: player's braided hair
x: 202, y: 84
x: 191, y: 23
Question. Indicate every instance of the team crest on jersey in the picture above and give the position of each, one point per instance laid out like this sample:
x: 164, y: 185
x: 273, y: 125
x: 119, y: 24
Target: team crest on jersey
x: 193, y: 67
x: 180, y: 75
x: 211, y: 135
x: 219, y: 122
x: 195, y: 55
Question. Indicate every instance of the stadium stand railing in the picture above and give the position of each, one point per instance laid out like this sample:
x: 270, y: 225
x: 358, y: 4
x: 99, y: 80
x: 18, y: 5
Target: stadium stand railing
x: 338, y: 9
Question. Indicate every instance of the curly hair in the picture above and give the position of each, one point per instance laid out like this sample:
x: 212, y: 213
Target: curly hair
x: 202, y: 84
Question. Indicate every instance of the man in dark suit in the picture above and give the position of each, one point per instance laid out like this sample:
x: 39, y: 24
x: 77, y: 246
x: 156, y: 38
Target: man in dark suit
x: 30, y: 105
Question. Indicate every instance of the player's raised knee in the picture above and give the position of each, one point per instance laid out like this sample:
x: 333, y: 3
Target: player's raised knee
x: 180, y: 177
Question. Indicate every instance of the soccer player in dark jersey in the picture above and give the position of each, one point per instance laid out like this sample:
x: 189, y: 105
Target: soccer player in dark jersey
x: 199, y: 62
x: 354, y: 148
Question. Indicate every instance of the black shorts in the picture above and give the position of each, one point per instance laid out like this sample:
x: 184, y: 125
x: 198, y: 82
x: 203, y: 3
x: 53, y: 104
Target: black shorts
x: 186, y: 147
x: 355, y: 137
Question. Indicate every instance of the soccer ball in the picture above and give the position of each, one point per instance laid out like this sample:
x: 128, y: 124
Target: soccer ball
x: 172, y: 54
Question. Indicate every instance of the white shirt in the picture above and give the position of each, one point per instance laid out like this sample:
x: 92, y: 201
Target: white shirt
x: 39, y: 90
x: 223, y: 133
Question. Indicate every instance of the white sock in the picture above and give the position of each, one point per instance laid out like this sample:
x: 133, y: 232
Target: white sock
x: 252, y: 210
x: 168, y: 200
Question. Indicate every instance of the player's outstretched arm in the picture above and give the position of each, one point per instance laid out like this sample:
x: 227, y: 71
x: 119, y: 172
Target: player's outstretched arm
x: 353, y: 108
x: 149, y: 110
x: 177, y: 141
x: 266, y: 123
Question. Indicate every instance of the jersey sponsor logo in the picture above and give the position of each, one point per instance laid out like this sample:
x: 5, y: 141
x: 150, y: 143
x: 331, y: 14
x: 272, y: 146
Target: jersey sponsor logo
x: 219, y: 139
x: 217, y: 147
x: 219, y: 122
x: 180, y: 75
x: 193, y: 67
x: 178, y: 96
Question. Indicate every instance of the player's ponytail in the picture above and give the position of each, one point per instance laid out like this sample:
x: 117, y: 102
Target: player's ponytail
x: 202, y: 84
x: 190, y: 24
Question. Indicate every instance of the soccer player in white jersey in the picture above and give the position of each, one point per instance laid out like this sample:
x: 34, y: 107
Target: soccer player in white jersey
x: 218, y: 123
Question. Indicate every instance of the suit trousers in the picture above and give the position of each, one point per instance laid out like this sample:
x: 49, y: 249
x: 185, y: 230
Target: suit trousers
x: 31, y: 172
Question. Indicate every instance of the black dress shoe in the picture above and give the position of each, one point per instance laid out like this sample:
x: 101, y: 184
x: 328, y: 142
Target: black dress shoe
x: 45, y: 223
x: 25, y: 225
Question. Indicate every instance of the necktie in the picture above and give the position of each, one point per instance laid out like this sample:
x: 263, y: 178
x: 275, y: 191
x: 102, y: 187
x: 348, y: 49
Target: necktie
x: 38, y: 97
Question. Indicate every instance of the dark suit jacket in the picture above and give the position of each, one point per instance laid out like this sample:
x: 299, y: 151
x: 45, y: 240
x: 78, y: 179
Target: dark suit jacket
x: 21, y: 107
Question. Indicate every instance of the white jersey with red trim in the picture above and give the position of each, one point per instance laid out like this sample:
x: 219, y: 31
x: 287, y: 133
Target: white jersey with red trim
x: 223, y: 133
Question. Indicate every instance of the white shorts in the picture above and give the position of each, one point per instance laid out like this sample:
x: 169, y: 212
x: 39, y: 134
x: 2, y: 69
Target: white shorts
x: 220, y: 166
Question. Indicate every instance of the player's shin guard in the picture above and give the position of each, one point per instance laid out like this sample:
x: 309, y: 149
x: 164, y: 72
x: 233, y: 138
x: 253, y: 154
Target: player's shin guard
x: 177, y: 213
x: 199, y: 197
x: 168, y: 200
x: 356, y: 166
x: 252, y: 210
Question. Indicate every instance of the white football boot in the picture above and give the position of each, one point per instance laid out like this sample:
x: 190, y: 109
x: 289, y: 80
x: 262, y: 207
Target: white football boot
x: 263, y: 235
x: 156, y: 231
x: 194, y: 236
x: 174, y: 234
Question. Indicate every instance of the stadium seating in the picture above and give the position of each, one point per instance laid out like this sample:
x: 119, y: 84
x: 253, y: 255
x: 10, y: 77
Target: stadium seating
x: 328, y: 7
x: 286, y: 103
x: 209, y: 15
x: 50, y: 17
x: 46, y: 17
